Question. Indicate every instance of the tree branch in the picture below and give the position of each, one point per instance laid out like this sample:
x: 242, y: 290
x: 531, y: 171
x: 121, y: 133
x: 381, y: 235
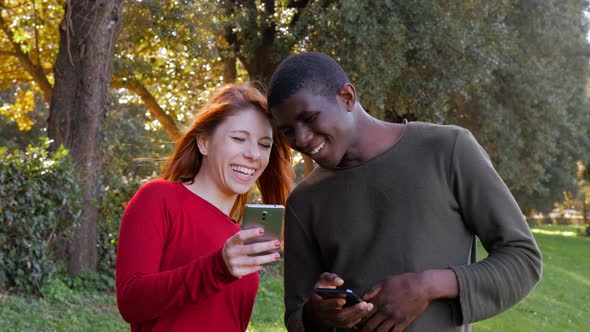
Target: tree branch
x: 150, y: 102
x: 7, y: 53
x: 581, y: 51
x: 35, y: 71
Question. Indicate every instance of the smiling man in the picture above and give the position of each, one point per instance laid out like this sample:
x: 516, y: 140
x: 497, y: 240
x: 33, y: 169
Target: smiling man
x: 392, y: 213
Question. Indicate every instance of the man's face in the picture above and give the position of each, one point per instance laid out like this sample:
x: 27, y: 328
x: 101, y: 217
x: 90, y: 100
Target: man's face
x: 317, y: 126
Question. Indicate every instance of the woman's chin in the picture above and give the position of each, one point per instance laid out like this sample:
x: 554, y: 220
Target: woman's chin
x: 240, y: 189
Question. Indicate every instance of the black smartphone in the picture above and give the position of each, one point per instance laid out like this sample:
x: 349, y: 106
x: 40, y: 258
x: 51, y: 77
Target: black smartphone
x: 267, y: 216
x: 330, y: 293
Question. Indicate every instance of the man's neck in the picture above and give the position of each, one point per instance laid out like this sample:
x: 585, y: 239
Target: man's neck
x: 373, y: 138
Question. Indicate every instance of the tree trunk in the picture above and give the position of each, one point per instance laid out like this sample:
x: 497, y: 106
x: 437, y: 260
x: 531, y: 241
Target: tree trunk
x: 229, y: 69
x: 83, y: 70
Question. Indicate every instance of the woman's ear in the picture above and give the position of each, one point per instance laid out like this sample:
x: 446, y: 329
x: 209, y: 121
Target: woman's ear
x: 202, y: 144
x: 348, y: 96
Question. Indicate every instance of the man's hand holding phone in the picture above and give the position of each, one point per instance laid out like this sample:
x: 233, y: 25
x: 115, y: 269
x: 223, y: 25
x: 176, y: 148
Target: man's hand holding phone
x: 332, y: 311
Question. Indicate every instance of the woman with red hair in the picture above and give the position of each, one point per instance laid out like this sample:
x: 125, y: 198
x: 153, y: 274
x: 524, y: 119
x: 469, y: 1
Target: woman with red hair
x: 182, y: 264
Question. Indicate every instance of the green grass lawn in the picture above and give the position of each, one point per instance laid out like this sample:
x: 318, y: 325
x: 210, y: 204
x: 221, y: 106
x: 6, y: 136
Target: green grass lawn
x: 82, y: 312
x: 559, y: 303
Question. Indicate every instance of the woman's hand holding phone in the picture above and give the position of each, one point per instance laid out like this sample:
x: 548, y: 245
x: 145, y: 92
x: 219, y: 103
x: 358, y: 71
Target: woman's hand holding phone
x: 331, y: 312
x: 239, y: 257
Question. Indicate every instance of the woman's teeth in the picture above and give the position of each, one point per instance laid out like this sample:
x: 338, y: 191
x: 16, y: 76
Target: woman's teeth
x: 244, y: 170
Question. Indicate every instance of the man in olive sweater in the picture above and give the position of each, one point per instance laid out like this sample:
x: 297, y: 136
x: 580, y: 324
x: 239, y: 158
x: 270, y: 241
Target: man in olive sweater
x: 392, y: 213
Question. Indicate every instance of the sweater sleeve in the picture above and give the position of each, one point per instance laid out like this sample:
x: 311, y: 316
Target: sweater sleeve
x: 513, y: 266
x: 302, y: 269
x: 143, y: 291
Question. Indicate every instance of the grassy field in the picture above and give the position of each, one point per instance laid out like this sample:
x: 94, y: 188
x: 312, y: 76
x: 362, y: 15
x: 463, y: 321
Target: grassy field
x: 559, y: 303
x: 61, y: 310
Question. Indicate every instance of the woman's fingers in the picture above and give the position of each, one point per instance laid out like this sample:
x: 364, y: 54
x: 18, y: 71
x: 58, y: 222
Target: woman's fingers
x: 245, y: 235
x: 255, y: 248
x: 242, y: 259
x: 247, y: 261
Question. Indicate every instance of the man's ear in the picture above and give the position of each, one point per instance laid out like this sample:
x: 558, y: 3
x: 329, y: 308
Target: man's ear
x: 202, y: 144
x: 348, y: 96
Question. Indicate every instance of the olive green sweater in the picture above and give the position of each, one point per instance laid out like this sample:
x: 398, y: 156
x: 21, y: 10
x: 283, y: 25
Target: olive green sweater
x: 416, y: 206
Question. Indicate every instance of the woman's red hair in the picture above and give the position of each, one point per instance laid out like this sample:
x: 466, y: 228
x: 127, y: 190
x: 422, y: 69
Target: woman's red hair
x: 275, y: 183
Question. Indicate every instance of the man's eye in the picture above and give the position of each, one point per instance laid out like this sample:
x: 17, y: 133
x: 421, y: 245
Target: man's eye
x: 238, y: 139
x: 287, y: 132
x: 311, y: 118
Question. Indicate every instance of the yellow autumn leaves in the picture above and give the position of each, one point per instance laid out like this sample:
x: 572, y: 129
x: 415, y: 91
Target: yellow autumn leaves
x: 24, y: 103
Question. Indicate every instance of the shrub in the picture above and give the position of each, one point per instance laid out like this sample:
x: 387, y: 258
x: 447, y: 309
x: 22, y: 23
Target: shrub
x: 115, y: 195
x: 89, y: 281
x: 40, y: 202
x: 55, y: 291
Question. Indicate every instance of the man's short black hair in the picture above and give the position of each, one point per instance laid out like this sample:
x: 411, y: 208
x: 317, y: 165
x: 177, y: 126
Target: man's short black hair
x: 310, y: 70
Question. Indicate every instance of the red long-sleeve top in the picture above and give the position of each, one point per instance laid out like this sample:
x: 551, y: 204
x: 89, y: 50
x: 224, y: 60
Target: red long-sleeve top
x: 170, y: 273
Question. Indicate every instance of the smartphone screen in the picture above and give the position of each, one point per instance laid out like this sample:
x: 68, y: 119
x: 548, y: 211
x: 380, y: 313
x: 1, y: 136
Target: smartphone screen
x: 267, y: 216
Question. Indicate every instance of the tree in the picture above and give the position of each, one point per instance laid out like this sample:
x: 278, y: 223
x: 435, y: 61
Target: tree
x: 533, y: 115
x: 489, y: 66
x: 82, y: 72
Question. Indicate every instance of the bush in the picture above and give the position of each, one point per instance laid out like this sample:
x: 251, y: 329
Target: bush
x: 114, y: 198
x: 89, y: 281
x: 40, y: 202
x: 56, y: 291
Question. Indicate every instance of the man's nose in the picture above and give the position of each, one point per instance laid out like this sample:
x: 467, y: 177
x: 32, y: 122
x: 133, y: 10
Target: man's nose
x: 302, y: 136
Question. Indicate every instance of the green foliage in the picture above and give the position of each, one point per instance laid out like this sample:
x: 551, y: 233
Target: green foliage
x: 533, y: 115
x: 90, y: 281
x: 514, y: 72
x: 124, y: 173
x: 113, y: 201
x: 39, y: 205
x: 62, y: 309
x: 411, y: 58
x: 55, y: 291
x: 557, y: 304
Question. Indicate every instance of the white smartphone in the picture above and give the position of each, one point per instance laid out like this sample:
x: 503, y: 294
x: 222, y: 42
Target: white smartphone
x: 267, y: 216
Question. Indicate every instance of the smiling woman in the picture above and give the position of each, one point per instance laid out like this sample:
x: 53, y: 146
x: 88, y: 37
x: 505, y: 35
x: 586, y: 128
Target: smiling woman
x: 181, y: 261
x: 234, y: 156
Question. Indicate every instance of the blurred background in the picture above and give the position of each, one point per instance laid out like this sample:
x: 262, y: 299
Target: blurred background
x: 94, y: 93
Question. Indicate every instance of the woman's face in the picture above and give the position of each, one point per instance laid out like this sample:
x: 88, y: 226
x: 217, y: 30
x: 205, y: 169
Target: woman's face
x: 237, y: 152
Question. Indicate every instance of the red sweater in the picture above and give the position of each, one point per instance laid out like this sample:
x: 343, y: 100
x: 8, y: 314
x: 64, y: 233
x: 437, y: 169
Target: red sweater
x: 170, y: 271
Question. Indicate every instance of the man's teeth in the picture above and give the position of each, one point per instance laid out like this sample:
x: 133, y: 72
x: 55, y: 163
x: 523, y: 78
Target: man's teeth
x: 316, y: 150
x: 247, y: 171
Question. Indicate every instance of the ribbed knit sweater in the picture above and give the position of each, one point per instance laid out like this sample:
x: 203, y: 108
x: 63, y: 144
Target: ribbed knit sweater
x: 171, y: 275
x: 419, y: 205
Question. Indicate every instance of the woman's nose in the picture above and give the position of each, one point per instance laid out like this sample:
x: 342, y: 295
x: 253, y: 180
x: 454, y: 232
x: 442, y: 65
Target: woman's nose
x: 252, y: 151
